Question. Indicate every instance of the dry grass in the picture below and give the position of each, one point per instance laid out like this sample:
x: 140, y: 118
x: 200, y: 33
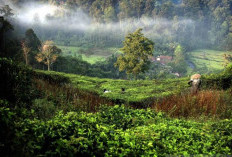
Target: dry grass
x: 210, y: 103
x: 69, y: 98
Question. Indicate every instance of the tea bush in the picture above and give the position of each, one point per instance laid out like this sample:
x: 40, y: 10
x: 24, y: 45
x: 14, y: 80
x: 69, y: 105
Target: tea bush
x: 125, y: 118
x: 43, y: 108
x: 222, y: 80
x: 15, y: 82
x: 51, y: 77
x: 103, y: 134
x: 136, y: 92
x: 30, y: 130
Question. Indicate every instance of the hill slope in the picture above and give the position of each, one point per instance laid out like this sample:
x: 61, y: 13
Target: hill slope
x: 135, y: 91
x: 206, y: 61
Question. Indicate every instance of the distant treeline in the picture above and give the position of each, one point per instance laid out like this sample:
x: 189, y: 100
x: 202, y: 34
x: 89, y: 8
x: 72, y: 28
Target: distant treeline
x: 212, y: 27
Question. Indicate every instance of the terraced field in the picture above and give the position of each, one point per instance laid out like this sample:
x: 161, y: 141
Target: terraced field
x: 207, y: 61
x: 135, y: 91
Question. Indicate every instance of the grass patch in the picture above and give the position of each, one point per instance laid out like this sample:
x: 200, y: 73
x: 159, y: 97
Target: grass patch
x: 209, y: 104
x: 91, y: 55
x: 207, y: 61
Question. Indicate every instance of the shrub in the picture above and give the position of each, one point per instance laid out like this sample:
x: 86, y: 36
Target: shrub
x: 16, y: 82
x: 219, y: 81
x: 100, y: 134
x: 51, y: 77
x: 43, y: 108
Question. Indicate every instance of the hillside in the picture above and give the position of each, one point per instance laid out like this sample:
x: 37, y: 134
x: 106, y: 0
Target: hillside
x: 111, y: 78
x: 50, y: 114
x: 207, y: 61
x: 91, y: 55
x: 138, y: 91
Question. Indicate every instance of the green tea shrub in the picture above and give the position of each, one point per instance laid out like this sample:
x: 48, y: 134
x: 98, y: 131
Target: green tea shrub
x: 217, y: 81
x: 222, y: 80
x: 7, y: 118
x: 140, y: 93
x: 109, y: 134
x: 125, y: 117
x: 43, y: 108
x: 51, y: 77
x: 223, y: 135
x: 15, y: 82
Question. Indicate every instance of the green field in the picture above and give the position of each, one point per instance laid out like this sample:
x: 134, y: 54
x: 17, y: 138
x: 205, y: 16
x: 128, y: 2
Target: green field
x: 43, y: 114
x: 207, y: 61
x: 135, y: 91
x: 91, y: 55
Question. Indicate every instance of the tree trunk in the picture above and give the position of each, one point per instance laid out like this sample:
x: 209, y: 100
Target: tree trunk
x: 48, y: 65
x: 26, y: 58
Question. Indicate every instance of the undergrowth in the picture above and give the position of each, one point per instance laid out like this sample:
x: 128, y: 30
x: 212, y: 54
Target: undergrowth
x: 206, y: 103
x: 49, y: 116
x: 114, y: 131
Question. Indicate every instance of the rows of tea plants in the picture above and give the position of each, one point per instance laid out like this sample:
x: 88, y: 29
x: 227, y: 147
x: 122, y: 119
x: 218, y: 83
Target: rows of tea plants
x: 42, y: 120
x: 114, y: 131
x: 143, y: 91
x: 135, y: 91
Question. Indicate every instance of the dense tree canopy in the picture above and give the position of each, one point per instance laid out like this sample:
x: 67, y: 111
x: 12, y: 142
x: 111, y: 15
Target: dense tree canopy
x: 191, y: 24
x: 32, y: 40
x: 136, y: 52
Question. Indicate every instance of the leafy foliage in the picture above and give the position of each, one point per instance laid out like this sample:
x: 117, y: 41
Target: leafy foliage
x: 102, y: 134
x: 32, y: 40
x: 219, y: 81
x: 227, y: 58
x: 136, y: 52
x: 52, y: 78
x: 16, y: 82
x: 112, y: 131
x: 136, y: 91
x: 179, y: 60
x: 49, y: 53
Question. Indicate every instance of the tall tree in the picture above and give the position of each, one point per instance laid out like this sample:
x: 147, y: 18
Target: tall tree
x: 179, y: 60
x: 26, y: 51
x: 97, y: 10
x: 32, y: 40
x: 109, y: 14
x: 136, y: 52
x: 49, y: 53
x: 149, y: 6
x: 5, y: 26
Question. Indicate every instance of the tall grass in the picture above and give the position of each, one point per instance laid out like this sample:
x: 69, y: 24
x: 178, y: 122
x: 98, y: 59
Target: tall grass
x: 209, y: 103
x: 69, y: 98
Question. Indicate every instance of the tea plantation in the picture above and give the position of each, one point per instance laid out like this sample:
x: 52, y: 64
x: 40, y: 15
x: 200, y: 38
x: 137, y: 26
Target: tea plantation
x: 115, y: 131
x: 135, y: 91
x: 111, y: 130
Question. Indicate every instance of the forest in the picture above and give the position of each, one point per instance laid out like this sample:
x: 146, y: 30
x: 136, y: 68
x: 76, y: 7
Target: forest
x: 112, y: 78
x: 96, y: 29
x: 191, y: 23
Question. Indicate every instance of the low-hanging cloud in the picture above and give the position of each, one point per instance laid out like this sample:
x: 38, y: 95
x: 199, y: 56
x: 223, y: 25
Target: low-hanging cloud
x: 59, y: 17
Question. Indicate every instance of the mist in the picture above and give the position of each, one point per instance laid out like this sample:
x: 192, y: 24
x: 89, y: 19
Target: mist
x: 48, y: 15
x: 52, y: 18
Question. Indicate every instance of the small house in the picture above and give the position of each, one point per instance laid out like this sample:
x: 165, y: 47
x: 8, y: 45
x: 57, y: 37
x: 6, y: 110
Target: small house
x: 162, y: 59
